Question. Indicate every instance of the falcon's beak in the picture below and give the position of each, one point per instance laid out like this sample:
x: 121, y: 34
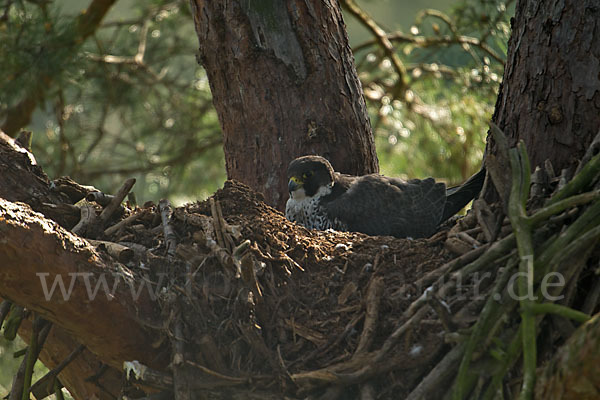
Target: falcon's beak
x: 294, y: 184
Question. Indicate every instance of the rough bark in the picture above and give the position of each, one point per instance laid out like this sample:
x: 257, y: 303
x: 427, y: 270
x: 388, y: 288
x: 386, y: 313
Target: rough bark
x: 109, y: 326
x: 22, y: 179
x: 284, y: 84
x: 550, y: 96
x: 31, y: 244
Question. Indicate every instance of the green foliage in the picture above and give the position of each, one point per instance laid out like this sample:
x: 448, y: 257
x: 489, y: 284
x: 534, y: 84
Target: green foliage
x: 9, y: 364
x: 454, y: 64
x: 131, y: 101
x: 35, y: 44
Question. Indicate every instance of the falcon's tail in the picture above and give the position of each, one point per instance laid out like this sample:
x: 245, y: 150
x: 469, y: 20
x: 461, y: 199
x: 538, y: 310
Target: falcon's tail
x: 459, y: 196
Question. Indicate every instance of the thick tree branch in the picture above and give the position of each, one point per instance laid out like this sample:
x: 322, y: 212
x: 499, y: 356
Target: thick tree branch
x: 38, y: 255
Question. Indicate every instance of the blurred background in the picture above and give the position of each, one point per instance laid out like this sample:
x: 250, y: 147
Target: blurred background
x: 106, y: 108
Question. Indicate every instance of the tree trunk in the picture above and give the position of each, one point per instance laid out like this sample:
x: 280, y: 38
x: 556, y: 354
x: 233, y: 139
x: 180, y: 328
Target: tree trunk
x: 284, y: 84
x: 550, y: 96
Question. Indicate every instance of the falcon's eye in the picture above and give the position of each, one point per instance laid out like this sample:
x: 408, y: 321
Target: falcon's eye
x: 307, y: 175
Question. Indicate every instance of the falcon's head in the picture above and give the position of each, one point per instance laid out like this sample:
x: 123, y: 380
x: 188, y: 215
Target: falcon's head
x: 309, y: 176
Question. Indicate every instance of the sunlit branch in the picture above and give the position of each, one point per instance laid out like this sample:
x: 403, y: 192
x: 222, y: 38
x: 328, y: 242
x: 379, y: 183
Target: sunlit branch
x: 426, y: 41
x: 382, y: 39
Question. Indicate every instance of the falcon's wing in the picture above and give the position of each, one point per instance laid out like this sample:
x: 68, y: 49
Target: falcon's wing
x: 378, y: 205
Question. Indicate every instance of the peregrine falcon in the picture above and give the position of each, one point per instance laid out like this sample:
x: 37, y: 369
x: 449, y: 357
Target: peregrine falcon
x: 321, y: 199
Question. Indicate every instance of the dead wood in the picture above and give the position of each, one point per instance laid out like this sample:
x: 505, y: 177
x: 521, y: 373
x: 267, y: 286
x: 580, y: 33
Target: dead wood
x: 118, y: 251
x: 35, y: 252
x: 101, y: 198
x: 86, y: 222
x: 115, y: 203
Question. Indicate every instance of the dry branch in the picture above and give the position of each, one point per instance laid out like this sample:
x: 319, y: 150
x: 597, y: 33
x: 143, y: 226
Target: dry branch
x: 36, y: 252
x: 164, y: 206
x: 115, y: 202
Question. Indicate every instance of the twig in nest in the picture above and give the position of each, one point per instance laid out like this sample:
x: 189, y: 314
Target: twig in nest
x: 211, y: 354
x: 438, y: 377
x: 487, y: 220
x: 230, y: 245
x: 451, y: 266
x: 397, y: 334
x: 457, y: 246
x: 115, y: 202
x: 12, y: 323
x: 256, y: 341
x: 249, y: 276
x: 565, y: 176
x: 333, y: 392
x: 219, y: 223
x: 586, y: 176
x: 351, y: 372
x: 331, y: 343
x: 111, y: 230
x: 73, y: 190
x: 140, y: 251
x: 559, y: 206
x: 178, y: 361
x: 373, y: 299
x: 549, y: 168
x: 539, y: 182
x: 118, y: 251
x: 99, y: 197
x: 464, y: 236
x: 164, y: 206
x: 557, y: 309
x: 487, y: 318
x: 494, y: 252
x: 88, y: 219
x: 216, y: 379
x: 367, y: 392
x: 443, y: 311
x: 282, y: 258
